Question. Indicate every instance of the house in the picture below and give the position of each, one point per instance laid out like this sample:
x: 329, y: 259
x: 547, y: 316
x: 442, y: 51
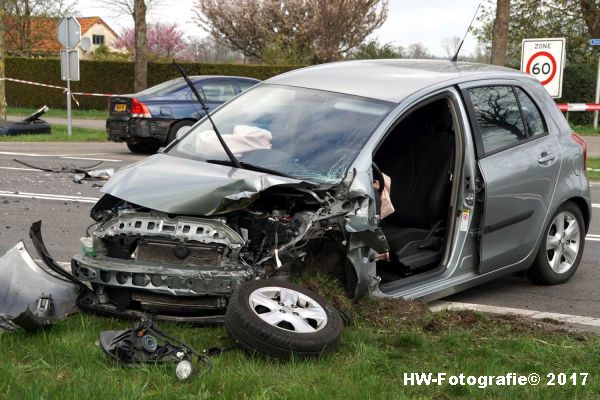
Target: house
x: 38, y: 35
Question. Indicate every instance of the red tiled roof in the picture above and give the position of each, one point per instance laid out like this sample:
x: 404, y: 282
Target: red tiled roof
x: 42, y: 33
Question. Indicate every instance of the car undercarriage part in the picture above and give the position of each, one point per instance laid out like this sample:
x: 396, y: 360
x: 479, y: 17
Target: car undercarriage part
x: 147, y: 343
x: 283, y: 320
x: 32, y: 297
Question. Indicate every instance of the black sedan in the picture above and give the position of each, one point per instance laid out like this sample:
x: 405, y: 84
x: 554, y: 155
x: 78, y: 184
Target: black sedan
x: 152, y: 118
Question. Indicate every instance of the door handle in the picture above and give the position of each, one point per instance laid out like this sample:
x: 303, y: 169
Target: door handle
x: 546, y: 157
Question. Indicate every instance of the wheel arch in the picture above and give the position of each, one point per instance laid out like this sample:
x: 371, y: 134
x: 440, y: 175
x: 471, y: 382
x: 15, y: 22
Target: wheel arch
x: 584, y: 207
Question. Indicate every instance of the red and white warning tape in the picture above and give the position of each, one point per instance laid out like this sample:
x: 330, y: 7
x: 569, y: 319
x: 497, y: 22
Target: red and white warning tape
x: 579, y: 107
x: 64, y: 89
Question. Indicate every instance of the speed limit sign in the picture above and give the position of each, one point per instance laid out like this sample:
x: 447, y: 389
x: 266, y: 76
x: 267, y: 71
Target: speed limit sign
x: 545, y: 59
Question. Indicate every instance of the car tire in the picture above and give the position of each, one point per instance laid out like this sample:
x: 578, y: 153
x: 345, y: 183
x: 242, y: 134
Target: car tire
x: 283, y: 320
x: 175, y: 128
x: 142, y: 148
x: 561, y: 248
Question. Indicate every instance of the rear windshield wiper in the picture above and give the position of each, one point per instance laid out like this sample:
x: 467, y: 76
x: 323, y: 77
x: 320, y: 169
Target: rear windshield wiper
x: 252, y: 167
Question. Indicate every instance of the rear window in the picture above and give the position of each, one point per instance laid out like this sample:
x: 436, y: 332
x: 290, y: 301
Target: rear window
x: 219, y: 91
x: 245, y: 85
x: 498, y: 115
x: 531, y: 114
x: 164, y: 88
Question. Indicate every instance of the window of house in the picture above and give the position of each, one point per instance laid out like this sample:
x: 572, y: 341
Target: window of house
x: 498, y: 115
x: 98, y: 39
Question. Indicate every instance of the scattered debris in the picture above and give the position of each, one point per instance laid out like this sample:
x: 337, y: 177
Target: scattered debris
x: 28, y: 126
x: 31, y: 297
x: 95, y: 175
x: 147, y: 343
x: 66, y: 168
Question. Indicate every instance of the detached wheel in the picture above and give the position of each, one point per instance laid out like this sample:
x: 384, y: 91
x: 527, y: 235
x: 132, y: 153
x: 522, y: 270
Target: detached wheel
x: 142, y: 148
x: 282, y: 320
x: 561, y: 249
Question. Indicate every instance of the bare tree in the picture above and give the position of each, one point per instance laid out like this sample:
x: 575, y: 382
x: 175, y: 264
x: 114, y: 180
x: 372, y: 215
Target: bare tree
x: 417, y: 51
x: 450, y: 45
x: 500, y: 32
x: 138, y: 10
x: 313, y: 30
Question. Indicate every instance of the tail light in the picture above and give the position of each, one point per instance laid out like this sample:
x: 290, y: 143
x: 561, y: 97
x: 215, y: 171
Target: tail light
x: 139, y: 109
x: 581, y: 142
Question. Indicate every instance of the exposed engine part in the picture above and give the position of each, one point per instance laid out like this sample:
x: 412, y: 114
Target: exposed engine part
x: 147, y: 343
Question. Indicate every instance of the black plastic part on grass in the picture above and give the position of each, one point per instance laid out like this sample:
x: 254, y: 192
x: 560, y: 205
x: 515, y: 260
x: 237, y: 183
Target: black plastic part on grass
x: 257, y: 336
x: 24, y: 128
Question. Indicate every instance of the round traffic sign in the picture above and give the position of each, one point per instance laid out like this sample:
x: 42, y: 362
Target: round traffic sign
x: 550, y: 70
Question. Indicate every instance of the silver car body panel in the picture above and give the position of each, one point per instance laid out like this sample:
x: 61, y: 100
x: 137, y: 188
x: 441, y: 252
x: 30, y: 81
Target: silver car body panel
x: 29, y: 291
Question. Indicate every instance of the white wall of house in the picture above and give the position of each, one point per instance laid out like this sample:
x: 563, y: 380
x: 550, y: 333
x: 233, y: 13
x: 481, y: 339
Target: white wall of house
x: 99, y: 34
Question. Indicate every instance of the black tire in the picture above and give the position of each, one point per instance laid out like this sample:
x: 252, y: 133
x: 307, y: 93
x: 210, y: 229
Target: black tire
x: 541, y: 271
x: 176, y: 127
x: 255, y: 335
x: 143, y: 148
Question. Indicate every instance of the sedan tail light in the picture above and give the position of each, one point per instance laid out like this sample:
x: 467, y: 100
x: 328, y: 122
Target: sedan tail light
x: 581, y: 142
x: 139, y: 109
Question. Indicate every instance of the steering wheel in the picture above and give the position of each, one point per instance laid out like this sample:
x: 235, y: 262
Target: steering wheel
x: 378, y: 177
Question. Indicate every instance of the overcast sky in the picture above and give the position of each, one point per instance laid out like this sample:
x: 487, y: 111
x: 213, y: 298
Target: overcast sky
x: 409, y: 21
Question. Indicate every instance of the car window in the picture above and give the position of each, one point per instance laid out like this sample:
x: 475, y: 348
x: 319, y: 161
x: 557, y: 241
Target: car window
x: 498, y: 115
x: 219, y: 91
x: 533, y: 119
x: 245, y: 85
x: 164, y: 88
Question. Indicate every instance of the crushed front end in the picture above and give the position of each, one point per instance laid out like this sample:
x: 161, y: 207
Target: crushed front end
x: 184, y: 268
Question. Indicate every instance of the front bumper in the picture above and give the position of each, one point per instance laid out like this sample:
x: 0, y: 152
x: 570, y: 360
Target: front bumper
x: 159, y: 279
x: 138, y: 130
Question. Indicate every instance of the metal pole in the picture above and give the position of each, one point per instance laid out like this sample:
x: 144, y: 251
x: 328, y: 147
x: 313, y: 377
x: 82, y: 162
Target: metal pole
x: 68, y: 67
x: 597, y: 100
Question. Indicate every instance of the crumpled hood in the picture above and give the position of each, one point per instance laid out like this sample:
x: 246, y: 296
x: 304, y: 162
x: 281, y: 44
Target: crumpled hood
x: 182, y: 186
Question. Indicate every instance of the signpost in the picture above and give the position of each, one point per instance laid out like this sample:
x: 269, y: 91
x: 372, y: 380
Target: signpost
x: 69, y: 34
x: 545, y: 59
x: 596, y: 42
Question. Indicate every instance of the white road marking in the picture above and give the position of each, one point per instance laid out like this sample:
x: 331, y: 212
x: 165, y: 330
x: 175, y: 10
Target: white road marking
x: 45, y: 196
x: 90, y: 159
x: 566, y: 318
x: 595, y: 205
x: 21, y: 169
x: 63, y: 156
x: 592, y: 237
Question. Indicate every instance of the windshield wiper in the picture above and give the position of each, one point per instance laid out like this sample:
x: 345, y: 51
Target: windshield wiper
x: 253, y: 167
x: 234, y: 160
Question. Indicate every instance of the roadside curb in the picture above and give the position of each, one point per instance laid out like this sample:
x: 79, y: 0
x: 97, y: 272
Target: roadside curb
x: 583, y: 323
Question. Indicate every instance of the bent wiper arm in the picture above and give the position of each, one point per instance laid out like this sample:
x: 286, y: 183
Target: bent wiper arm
x: 253, y: 167
x: 234, y: 160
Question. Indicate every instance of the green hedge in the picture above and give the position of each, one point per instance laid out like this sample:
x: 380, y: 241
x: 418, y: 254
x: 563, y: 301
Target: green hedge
x: 579, y: 86
x: 105, y: 77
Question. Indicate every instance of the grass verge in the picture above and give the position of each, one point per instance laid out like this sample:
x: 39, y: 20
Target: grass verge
x: 593, y: 165
x: 385, y: 340
x: 59, y: 113
x: 585, y: 130
x: 59, y: 134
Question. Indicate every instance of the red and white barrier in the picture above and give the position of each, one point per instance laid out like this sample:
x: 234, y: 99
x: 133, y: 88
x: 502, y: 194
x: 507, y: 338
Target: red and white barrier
x: 64, y: 89
x: 577, y: 107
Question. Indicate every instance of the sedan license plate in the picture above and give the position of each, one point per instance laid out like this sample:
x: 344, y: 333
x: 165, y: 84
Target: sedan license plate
x: 121, y: 107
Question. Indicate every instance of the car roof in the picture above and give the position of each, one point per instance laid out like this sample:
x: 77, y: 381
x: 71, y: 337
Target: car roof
x: 202, y: 77
x: 389, y: 80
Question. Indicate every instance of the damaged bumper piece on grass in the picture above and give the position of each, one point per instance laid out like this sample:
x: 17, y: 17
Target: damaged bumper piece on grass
x: 32, y: 297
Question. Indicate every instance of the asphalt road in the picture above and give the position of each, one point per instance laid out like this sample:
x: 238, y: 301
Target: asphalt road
x: 27, y: 195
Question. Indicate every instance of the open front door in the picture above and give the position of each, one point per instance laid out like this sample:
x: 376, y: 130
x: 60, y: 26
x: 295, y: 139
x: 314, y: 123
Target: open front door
x: 519, y: 160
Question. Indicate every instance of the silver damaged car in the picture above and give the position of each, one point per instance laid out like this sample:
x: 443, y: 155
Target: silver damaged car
x: 483, y: 173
